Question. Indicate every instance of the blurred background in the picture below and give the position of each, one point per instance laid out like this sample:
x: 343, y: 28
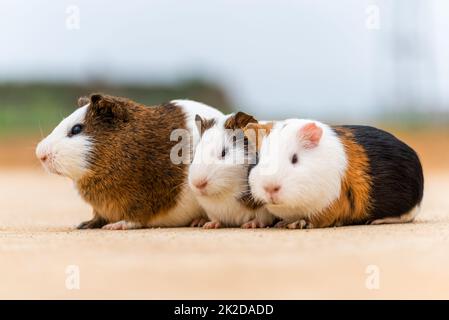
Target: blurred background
x: 349, y: 61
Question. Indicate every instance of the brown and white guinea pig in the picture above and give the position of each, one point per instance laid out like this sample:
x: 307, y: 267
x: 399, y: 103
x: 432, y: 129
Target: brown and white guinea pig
x: 119, y: 155
x: 313, y: 175
x: 218, y: 174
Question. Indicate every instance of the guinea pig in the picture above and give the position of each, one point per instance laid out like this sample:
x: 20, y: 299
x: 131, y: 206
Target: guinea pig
x: 219, y: 172
x: 312, y: 175
x: 119, y: 154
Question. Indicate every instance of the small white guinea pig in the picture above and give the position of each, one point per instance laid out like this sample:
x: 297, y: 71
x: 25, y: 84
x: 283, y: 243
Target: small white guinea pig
x: 310, y: 174
x: 219, y: 171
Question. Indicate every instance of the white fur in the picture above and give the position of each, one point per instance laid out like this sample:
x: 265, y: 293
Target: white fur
x: 122, y: 225
x: 191, y: 109
x: 310, y: 185
x: 187, y: 207
x: 406, y: 217
x: 186, y: 210
x: 226, y: 178
x: 67, y: 156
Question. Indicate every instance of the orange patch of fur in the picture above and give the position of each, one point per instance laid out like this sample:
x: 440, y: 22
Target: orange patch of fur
x: 353, y: 206
x: 255, y: 132
x: 239, y: 121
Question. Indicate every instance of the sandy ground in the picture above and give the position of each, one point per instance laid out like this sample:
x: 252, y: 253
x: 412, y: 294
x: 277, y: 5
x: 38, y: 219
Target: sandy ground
x: 38, y: 244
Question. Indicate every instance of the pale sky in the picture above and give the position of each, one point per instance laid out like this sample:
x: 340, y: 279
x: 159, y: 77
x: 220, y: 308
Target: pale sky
x: 276, y: 58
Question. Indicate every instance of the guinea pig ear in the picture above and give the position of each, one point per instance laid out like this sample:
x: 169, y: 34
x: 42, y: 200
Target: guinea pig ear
x: 255, y: 132
x: 203, y: 124
x: 82, y: 101
x: 199, y: 123
x: 239, y: 121
x: 310, y: 135
x: 108, y: 108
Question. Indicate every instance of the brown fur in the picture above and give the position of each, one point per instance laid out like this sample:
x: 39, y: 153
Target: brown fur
x: 239, y: 121
x: 353, y: 206
x: 249, y: 202
x: 131, y: 175
x: 255, y: 132
x: 204, y: 124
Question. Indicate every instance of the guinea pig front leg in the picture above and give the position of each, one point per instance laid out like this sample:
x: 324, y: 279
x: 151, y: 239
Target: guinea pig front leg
x: 122, y: 225
x: 299, y: 224
x: 254, y: 223
x: 95, y: 223
x: 214, y: 224
x: 262, y: 219
x: 199, y: 222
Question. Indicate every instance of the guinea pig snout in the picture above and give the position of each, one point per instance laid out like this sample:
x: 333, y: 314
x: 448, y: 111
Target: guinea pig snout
x: 44, y: 154
x: 200, y: 184
x: 272, y: 189
x: 44, y: 157
x: 41, y: 153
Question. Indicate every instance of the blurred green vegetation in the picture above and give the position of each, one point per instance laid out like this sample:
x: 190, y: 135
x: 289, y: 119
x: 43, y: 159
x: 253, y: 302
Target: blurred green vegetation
x: 414, y: 121
x: 35, y: 108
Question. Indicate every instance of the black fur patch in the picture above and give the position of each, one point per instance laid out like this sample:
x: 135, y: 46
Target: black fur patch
x: 395, y: 170
x: 246, y: 197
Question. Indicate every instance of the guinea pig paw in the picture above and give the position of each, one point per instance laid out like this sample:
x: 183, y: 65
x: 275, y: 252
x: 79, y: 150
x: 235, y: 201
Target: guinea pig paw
x: 86, y: 225
x: 253, y: 224
x: 198, y: 222
x: 212, y: 225
x: 300, y: 224
x: 121, y: 225
x: 281, y: 224
x: 95, y: 223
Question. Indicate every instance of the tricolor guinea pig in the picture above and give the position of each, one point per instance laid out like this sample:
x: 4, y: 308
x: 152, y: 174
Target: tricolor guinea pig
x: 219, y: 172
x: 119, y: 155
x: 312, y: 175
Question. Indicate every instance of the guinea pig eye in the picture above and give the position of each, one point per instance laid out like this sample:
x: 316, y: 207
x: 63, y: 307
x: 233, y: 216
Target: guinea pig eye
x: 295, y: 159
x: 76, y: 129
x: 224, y: 152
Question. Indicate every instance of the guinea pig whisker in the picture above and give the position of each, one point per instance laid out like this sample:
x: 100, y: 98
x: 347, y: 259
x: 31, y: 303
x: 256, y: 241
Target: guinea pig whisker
x: 180, y: 185
x: 40, y: 129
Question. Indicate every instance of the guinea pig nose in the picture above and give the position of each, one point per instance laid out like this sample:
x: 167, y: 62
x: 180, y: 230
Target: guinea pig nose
x: 201, y: 184
x: 42, y: 153
x: 272, y: 188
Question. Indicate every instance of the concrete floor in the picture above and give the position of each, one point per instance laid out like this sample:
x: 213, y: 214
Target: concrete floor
x: 42, y: 256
